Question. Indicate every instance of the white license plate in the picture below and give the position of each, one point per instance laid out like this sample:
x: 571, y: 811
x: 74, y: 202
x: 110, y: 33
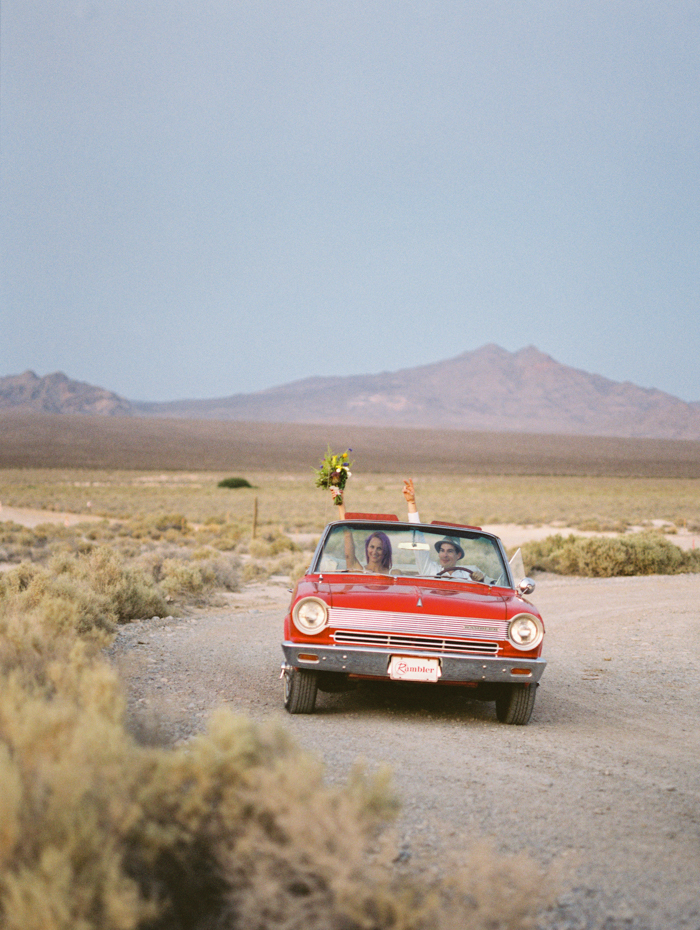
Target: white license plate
x: 409, y: 668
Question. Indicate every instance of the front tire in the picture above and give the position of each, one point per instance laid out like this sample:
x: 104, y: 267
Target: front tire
x: 300, y: 687
x: 515, y: 703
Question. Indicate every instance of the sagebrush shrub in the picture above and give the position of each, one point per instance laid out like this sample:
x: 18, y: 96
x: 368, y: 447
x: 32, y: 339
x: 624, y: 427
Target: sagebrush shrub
x: 83, y: 592
x: 271, y: 543
x: 129, y: 569
x: 204, y: 573
x: 178, y: 577
x: 131, y: 592
x: 157, y: 526
x: 605, y: 557
x: 235, y: 829
x: 256, y: 571
x: 224, y: 535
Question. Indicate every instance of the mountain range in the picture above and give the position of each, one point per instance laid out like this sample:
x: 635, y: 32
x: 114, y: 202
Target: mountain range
x: 488, y: 389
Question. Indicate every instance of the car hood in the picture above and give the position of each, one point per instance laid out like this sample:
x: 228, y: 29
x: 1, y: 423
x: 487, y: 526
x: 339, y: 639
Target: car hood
x: 405, y: 596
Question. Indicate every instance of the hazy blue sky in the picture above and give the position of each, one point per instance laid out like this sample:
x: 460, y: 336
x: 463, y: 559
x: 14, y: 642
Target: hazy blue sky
x: 219, y: 196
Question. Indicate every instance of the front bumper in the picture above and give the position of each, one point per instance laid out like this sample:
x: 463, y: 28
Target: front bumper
x: 374, y: 663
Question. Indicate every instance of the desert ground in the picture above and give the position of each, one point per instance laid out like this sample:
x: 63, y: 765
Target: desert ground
x: 603, y: 785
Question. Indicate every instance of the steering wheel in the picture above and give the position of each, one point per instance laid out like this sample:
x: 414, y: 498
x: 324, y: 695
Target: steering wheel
x: 462, y: 568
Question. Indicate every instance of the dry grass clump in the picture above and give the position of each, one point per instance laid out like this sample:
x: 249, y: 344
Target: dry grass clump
x: 255, y: 570
x: 19, y: 543
x: 82, y: 593
x: 236, y: 829
x: 162, y: 558
x: 171, y: 526
x: 221, y: 534
x: 606, y: 557
x: 179, y: 578
x: 271, y: 543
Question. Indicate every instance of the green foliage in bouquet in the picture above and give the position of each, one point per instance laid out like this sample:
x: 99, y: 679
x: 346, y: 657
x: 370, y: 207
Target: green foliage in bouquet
x: 334, y: 473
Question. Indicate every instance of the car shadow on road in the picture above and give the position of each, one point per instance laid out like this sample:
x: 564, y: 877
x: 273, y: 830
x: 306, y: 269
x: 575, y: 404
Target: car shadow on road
x: 407, y: 700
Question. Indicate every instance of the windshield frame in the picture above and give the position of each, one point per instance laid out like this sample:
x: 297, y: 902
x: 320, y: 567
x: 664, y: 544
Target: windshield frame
x: 435, y: 529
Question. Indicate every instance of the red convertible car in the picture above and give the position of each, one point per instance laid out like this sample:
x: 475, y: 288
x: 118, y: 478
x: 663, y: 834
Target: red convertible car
x: 412, y: 602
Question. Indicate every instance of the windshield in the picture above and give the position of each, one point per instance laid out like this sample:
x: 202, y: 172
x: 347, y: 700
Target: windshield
x: 461, y: 555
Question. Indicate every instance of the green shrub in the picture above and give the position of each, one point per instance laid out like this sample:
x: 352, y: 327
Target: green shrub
x: 234, y: 483
x: 606, y: 557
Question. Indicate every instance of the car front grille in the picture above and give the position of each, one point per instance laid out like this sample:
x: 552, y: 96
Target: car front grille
x: 472, y: 634
x: 430, y: 643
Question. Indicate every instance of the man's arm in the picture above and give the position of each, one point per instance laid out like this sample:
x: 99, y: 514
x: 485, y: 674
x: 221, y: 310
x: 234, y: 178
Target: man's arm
x: 410, y: 494
x: 425, y: 565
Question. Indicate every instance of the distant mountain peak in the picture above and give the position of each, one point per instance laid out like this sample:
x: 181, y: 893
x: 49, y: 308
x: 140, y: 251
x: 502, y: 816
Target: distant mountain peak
x: 57, y: 393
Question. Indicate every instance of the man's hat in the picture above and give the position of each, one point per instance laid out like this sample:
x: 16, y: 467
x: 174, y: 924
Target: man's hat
x: 453, y: 542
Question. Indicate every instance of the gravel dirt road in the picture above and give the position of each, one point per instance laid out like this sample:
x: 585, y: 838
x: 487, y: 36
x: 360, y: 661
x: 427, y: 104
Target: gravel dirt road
x: 605, y: 778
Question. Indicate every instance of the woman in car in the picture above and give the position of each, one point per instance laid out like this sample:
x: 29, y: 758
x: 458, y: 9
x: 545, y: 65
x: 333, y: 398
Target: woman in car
x: 377, y: 549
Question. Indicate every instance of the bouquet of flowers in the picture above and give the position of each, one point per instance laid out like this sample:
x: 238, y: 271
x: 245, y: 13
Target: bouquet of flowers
x: 334, y: 473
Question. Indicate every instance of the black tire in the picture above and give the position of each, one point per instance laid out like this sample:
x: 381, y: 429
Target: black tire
x: 300, y: 688
x: 515, y: 703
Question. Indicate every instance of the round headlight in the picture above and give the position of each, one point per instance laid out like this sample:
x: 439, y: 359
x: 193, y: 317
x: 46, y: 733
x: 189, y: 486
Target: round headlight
x: 525, y: 631
x: 310, y: 615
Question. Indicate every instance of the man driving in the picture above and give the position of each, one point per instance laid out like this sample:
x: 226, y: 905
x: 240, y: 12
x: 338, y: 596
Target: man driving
x: 449, y: 552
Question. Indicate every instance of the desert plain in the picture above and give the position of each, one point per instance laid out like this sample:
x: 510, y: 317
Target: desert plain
x: 602, y: 786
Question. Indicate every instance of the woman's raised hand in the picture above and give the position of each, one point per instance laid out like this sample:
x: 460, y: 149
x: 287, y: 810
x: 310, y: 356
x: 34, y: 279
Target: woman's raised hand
x: 341, y: 506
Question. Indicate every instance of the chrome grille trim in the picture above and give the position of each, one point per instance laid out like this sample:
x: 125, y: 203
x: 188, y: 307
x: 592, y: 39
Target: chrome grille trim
x: 350, y: 618
x: 430, y: 643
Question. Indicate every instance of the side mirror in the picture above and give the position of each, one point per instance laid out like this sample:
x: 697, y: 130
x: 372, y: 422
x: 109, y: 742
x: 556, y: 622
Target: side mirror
x: 526, y: 586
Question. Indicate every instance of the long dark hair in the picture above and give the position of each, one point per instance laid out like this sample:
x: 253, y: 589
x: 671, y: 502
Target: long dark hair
x: 386, y: 544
